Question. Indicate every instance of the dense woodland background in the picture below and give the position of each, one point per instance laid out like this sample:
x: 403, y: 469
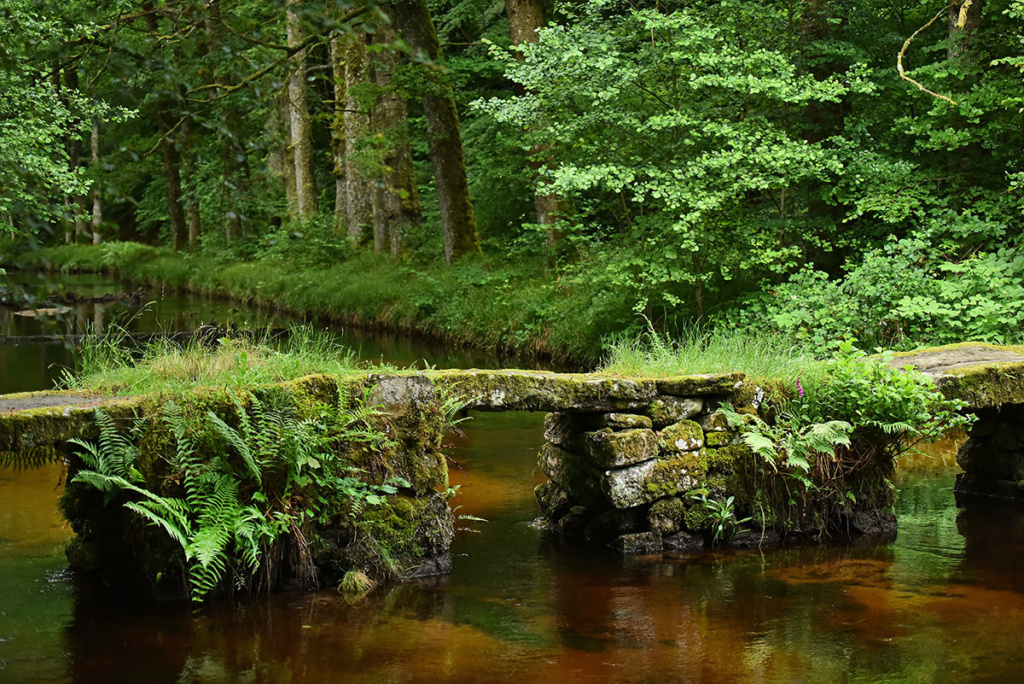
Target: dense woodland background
x: 578, y: 169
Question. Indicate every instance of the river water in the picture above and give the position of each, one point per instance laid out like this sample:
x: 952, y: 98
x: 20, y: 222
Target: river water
x: 943, y: 603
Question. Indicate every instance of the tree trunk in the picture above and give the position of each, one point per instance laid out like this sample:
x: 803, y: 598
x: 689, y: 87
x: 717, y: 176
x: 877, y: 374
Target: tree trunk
x: 284, y: 156
x: 525, y: 17
x: 399, y: 209
x: 298, y: 110
x: 338, y: 135
x: 74, y: 161
x: 964, y: 20
x: 188, y: 169
x: 97, y: 205
x: 172, y: 181
x: 358, y: 186
x: 457, y: 217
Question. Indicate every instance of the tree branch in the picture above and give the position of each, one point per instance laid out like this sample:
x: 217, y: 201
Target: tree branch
x: 903, y: 52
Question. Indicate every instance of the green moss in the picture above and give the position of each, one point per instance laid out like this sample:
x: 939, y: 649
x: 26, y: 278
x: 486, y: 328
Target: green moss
x: 666, y: 515
x: 719, y: 439
x: 685, y: 435
x: 986, y: 385
x: 676, y: 474
x: 700, y: 385
x: 608, y: 449
x: 727, y: 459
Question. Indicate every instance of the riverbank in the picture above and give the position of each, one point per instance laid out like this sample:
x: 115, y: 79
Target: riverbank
x: 521, y: 309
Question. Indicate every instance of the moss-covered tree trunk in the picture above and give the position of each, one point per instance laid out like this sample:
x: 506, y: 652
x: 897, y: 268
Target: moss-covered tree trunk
x: 525, y: 17
x: 358, y: 185
x: 78, y: 204
x: 458, y: 219
x: 97, y: 200
x: 284, y: 157
x: 398, y: 209
x: 964, y: 21
x: 172, y: 182
x: 298, y: 118
x: 190, y: 182
x: 338, y: 135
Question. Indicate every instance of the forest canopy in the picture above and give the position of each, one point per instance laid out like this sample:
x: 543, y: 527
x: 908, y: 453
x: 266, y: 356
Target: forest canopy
x: 757, y: 163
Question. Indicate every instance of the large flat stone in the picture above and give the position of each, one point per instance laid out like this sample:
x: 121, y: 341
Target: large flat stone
x: 701, y: 385
x: 608, y: 449
x: 649, y: 481
x: 516, y: 390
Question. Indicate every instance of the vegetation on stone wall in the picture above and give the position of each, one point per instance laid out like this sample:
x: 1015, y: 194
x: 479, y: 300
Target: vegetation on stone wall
x: 250, y: 490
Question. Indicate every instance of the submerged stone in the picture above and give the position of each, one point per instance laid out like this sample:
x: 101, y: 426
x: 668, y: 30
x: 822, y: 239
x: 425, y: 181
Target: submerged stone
x: 641, y: 542
x: 608, y: 449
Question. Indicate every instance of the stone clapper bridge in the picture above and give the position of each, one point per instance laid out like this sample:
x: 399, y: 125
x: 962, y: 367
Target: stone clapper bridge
x: 627, y: 458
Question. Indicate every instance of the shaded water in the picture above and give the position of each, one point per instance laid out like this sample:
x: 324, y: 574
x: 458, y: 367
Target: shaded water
x: 35, y: 366
x: 945, y: 602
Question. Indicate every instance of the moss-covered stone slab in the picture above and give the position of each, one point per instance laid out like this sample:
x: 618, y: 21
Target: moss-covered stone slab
x: 700, y: 385
x: 624, y: 421
x: 609, y: 449
x: 652, y: 480
x: 983, y: 375
x: 665, y: 410
x: 400, y: 395
x: 685, y: 435
x: 516, y: 390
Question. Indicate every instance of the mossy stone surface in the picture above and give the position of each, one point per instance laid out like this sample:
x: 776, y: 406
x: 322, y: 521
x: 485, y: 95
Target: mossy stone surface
x: 554, y: 501
x: 609, y: 449
x: 652, y: 480
x: 666, y: 410
x: 624, y: 421
x: 518, y: 390
x: 685, y: 435
x: 666, y: 515
x: 721, y: 439
x: 562, y: 466
x: 700, y: 385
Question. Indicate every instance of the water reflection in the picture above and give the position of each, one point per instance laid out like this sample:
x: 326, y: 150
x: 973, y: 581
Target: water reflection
x: 945, y: 602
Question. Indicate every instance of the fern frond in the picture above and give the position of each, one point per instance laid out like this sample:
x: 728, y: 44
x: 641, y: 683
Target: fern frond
x: 173, y: 528
x: 237, y: 440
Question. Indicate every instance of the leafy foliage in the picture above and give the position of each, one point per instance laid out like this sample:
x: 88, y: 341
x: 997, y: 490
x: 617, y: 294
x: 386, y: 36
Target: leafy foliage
x: 859, y: 413
x: 230, y: 511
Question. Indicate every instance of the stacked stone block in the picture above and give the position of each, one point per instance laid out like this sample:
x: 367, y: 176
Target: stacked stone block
x: 627, y: 478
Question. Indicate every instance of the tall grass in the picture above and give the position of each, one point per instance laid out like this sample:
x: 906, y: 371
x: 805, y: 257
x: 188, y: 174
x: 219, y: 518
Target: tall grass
x: 111, y: 366
x: 767, y: 359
